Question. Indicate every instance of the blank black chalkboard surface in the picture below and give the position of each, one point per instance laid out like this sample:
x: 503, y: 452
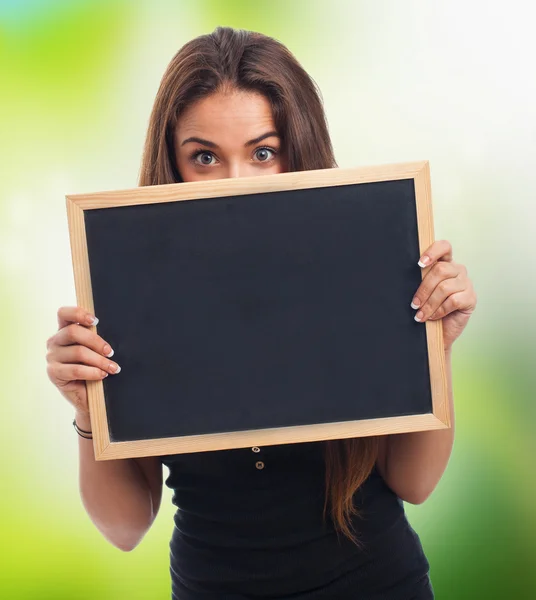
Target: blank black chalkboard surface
x: 258, y: 311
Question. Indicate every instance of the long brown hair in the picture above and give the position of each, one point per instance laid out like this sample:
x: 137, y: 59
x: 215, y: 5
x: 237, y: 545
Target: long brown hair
x: 230, y: 58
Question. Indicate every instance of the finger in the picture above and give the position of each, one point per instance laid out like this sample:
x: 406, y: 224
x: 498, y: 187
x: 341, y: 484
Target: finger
x: 440, y: 250
x: 437, y: 273
x: 75, y: 314
x: 76, y: 334
x: 461, y: 301
x: 445, y: 289
x: 82, y: 355
x: 63, y: 373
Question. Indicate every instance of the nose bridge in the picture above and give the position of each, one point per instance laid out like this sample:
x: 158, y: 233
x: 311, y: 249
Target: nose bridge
x: 236, y: 168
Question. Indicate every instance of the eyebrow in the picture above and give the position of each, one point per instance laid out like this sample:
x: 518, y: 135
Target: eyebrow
x: 213, y: 145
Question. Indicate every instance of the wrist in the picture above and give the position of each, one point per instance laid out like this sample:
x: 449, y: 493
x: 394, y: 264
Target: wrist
x: 83, y: 420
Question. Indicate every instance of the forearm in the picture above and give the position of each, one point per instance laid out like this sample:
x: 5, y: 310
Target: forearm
x: 416, y: 461
x: 115, y: 494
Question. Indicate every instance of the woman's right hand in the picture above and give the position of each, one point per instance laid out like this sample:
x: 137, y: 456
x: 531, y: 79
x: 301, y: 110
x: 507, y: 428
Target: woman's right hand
x: 75, y: 354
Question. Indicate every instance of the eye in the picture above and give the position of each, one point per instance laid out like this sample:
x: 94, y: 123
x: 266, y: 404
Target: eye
x: 264, y: 154
x: 204, y: 158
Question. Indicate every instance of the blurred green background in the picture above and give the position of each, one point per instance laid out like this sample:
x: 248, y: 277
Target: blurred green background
x: 452, y: 82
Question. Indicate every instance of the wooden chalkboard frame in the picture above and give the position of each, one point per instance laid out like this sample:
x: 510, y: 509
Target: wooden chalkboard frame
x: 104, y: 448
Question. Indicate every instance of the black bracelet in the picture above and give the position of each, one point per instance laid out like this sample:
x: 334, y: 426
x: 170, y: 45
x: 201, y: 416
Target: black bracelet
x: 88, y: 435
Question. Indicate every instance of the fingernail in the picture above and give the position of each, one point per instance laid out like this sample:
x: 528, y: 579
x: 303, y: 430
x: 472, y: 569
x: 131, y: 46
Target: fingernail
x: 419, y: 316
x: 424, y: 261
x: 115, y: 368
x: 108, y: 351
x: 91, y: 320
x: 415, y: 304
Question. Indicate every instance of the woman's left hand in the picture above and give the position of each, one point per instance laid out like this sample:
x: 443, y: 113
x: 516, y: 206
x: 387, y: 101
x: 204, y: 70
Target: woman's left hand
x: 446, y: 292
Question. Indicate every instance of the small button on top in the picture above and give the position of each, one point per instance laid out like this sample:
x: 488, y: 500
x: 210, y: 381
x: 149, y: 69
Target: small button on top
x: 259, y: 465
x: 255, y: 449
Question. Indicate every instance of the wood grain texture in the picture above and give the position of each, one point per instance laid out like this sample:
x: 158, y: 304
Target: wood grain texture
x: 267, y: 437
x: 434, y: 329
x: 105, y: 449
x: 246, y: 185
x: 84, y: 298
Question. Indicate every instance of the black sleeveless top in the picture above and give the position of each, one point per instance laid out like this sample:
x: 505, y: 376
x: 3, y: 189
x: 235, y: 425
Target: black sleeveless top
x: 249, y: 524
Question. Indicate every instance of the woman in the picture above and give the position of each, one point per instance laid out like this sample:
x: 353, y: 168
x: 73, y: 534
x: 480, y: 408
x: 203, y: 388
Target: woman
x: 326, y: 520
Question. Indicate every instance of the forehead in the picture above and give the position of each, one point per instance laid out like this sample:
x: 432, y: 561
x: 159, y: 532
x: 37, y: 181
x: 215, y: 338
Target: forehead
x: 225, y: 115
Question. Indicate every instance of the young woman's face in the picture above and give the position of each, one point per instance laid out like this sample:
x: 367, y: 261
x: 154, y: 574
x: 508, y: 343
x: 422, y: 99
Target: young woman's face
x: 228, y: 134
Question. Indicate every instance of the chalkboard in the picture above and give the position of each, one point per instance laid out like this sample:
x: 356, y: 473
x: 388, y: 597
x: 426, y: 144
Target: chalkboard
x: 266, y: 310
